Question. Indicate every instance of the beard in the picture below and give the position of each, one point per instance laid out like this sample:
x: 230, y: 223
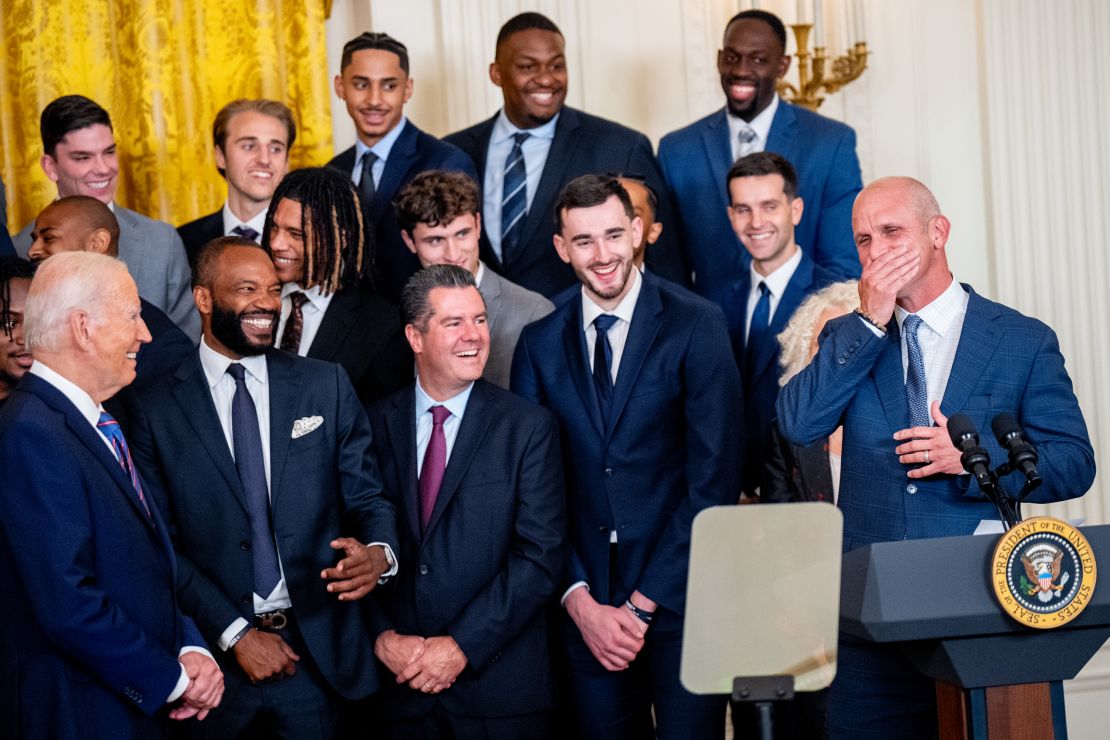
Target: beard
x: 228, y: 329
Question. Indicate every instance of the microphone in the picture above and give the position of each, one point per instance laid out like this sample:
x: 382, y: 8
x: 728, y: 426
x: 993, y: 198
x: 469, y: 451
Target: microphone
x: 1023, y: 456
x: 974, y: 458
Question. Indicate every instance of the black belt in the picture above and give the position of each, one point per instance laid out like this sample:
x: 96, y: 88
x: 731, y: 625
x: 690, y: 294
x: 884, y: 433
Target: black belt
x: 274, y: 621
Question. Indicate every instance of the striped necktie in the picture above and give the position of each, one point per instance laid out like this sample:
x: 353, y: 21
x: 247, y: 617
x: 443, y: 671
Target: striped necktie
x: 109, y: 427
x: 514, y: 198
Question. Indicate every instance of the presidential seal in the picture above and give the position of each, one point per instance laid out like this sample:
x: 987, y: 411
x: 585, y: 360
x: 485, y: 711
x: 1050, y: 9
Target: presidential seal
x: 1043, y: 572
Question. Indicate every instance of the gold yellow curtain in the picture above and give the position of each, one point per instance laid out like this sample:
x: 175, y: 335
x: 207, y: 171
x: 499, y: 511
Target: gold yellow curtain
x: 162, y: 69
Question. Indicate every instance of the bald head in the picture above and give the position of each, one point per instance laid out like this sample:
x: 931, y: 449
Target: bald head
x: 76, y: 223
x: 907, y: 190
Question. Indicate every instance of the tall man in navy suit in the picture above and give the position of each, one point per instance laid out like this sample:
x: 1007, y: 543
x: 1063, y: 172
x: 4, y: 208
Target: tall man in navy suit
x: 96, y: 645
x: 260, y: 461
x: 478, y: 475
x: 374, y: 82
x: 652, y: 434
x: 534, y: 146
x: 696, y: 158
x: 921, y: 347
x: 764, y: 209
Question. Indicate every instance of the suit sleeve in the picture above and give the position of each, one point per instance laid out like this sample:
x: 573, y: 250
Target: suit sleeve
x: 392, y: 368
x: 835, y: 249
x: 534, y: 565
x: 49, y: 524
x: 179, y: 290
x: 459, y: 161
x: 667, y: 257
x: 714, y: 438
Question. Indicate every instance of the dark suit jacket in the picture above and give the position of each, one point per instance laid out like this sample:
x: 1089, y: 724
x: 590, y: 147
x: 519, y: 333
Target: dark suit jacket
x: 793, y: 473
x: 91, y: 623
x: 695, y: 161
x: 195, y: 234
x: 363, y: 332
x: 583, y: 145
x: 761, y: 388
x: 6, y: 248
x: 492, y: 554
x: 1005, y: 362
x: 672, y: 448
x: 323, y: 484
x: 413, y: 152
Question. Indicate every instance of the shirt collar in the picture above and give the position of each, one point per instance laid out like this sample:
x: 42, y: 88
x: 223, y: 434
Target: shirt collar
x: 942, y: 313
x: 384, y: 145
x: 76, y: 395
x: 761, y: 124
x: 503, y: 129
x: 315, y: 297
x: 215, y: 365
x: 624, y: 309
x: 780, y: 278
x: 456, y: 404
x: 481, y: 274
x: 258, y: 222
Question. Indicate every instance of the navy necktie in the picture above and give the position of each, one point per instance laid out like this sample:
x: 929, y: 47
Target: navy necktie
x: 109, y: 427
x: 514, y: 198
x: 759, y: 330
x: 366, y: 187
x: 246, y: 232
x: 603, y: 361
x: 917, y: 390
x: 252, y: 475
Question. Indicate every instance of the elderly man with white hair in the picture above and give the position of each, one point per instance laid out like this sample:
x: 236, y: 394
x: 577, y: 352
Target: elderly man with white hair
x: 97, y: 644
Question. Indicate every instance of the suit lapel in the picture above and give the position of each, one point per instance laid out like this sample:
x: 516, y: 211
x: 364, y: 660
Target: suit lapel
x: 718, y: 150
x: 783, y: 134
x: 472, y: 429
x: 978, y: 339
x: 285, y: 386
x: 578, y: 363
x: 338, y: 320
x: 646, y: 322
x: 400, y: 423
x: 478, y: 152
x: 890, y: 381
x: 558, y: 158
x: 400, y: 159
x: 491, y: 293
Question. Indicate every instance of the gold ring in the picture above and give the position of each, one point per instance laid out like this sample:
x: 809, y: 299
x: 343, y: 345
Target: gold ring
x: 926, y: 457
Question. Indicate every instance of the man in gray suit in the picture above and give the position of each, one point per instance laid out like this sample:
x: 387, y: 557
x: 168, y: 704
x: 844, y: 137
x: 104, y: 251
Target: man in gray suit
x: 79, y: 154
x: 440, y: 223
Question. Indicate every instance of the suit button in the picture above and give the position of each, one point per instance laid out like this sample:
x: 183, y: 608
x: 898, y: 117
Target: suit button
x: 911, y: 489
x: 423, y: 569
x: 244, y: 545
x: 608, y: 472
x: 841, y: 360
x: 856, y: 344
x: 603, y: 528
x: 245, y: 600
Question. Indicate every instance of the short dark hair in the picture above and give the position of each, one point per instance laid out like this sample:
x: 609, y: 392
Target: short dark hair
x: 204, y: 274
x: 770, y: 19
x: 271, y: 108
x: 524, y: 22
x: 375, y: 40
x: 416, y: 306
x: 11, y: 268
x: 765, y: 163
x: 94, y: 215
x: 588, y: 191
x: 653, y: 199
x: 435, y: 198
x: 68, y: 113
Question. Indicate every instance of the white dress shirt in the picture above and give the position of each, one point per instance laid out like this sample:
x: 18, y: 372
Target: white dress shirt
x: 381, y: 149
x: 942, y: 322
x: 258, y: 223
x: 90, y: 411
x: 776, y: 284
x: 312, y: 311
x: 761, y: 124
x: 536, y: 148
x: 618, y: 332
x: 455, y: 404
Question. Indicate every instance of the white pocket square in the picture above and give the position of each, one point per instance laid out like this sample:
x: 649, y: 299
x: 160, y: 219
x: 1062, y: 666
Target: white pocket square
x: 306, y: 425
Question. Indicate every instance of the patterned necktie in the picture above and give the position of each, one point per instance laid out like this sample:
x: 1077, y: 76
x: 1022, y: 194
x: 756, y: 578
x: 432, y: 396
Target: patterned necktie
x: 294, y: 325
x: 748, y: 140
x: 366, y: 187
x: 251, y: 465
x: 759, y: 329
x: 435, y: 462
x: 514, y: 198
x: 603, y: 361
x: 109, y: 427
x: 246, y: 232
x: 917, y: 391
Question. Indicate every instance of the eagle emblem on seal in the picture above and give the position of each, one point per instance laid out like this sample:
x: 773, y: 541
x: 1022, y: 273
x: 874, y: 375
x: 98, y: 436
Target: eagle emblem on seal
x: 1042, y: 570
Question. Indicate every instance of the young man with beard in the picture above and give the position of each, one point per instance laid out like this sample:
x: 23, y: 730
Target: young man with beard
x: 639, y: 373
x: 15, y: 359
x: 695, y: 159
x: 261, y: 462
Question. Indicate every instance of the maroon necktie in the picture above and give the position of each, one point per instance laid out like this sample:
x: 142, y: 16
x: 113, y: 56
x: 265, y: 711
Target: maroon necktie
x: 291, y: 337
x: 435, y: 462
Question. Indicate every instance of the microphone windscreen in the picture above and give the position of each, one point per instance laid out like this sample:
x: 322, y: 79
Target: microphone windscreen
x: 1003, y: 426
x: 960, y: 427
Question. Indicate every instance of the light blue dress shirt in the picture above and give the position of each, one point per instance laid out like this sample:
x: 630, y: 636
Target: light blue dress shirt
x: 381, y: 149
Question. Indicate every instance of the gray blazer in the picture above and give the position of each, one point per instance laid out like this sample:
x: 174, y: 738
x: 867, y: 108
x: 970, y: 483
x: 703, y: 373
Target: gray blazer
x: 155, y: 257
x: 509, y: 308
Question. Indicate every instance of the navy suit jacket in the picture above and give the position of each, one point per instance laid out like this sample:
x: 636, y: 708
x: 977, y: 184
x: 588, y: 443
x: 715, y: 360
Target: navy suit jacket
x: 673, y: 445
x: 195, y: 234
x: 6, y: 248
x: 1005, y: 362
x: 761, y: 388
x: 583, y: 145
x: 323, y: 484
x: 91, y: 622
x: 695, y: 161
x: 491, y: 556
x: 413, y: 152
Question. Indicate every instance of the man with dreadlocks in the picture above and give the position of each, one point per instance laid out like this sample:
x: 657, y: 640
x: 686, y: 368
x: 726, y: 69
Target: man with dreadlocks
x: 15, y: 278
x: 329, y: 307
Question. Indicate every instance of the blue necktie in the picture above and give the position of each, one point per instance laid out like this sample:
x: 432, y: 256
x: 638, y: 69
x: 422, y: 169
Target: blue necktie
x: 366, y: 187
x: 246, y: 232
x: 758, y: 330
x: 252, y: 475
x: 514, y: 198
x: 109, y: 427
x: 917, y: 391
x: 603, y: 361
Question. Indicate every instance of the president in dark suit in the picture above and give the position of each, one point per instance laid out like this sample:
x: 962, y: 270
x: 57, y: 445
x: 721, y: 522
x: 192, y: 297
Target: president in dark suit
x: 536, y: 145
x: 695, y: 159
x: 329, y: 310
x: 639, y: 372
x: 390, y: 150
x: 921, y: 347
x: 96, y: 645
x: 478, y: 475
x: 765, y: 208
x: 261, y: 463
